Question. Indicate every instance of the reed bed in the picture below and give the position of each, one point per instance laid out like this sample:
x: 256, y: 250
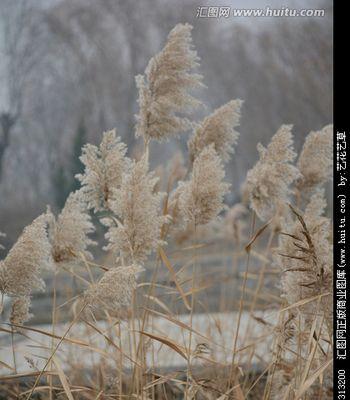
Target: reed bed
x: 185, y: 297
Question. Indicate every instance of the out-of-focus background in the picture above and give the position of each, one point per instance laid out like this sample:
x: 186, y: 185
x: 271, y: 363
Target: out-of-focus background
x: 67, y: 72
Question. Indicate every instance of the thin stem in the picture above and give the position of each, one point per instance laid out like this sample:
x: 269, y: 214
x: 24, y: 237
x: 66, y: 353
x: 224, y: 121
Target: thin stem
x: 13, y: 350
x: 245, y: 278
x: 53, y: 328
x: 256, y: 294
x: 194, y: 274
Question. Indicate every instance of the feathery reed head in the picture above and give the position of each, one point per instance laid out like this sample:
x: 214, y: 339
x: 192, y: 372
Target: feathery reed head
x: 104, y: 167
x: 20, y: 270
x: 281, y: 388
x: 219, y: 129
x: 200, y: 199
x: 316, y: 159
x: 135, y: 232
x: 268, y: 182
x: 163, y: 90
x: 114, y: 291
x: 305, y: 255
x: 68, y: 233
x: 20, y: 310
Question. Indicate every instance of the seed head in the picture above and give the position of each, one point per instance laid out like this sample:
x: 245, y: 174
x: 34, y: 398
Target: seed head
x: 268, y: 182
x: 114, y: 291
x: 135, y: 231
x: 20, y: 270
x: 20, y: 310
x: 104, y: 167
x: 68, y: 233
x: 200, y: 199
x: 219, y: 129
x: 164, y: 89
x: 316, y: 159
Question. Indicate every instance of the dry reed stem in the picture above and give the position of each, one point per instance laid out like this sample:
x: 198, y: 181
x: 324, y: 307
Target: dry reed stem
x: 241, y: 306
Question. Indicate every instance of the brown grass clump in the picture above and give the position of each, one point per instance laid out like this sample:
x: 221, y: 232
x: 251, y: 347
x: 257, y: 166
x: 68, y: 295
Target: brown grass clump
x: 305, y: 256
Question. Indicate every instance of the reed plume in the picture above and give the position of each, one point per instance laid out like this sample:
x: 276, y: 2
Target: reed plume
x: 69, y: 232
x: 164, y: 98
x: 218, y: 129
x: 104, y: 167
x: 200, y: 199
x: 114, y: 291
x: 316, y: 160
x: 134, y: 231
x: 305, y: 256
x: 268, y: 182
x: 20, y: 270
x: 20, y: 310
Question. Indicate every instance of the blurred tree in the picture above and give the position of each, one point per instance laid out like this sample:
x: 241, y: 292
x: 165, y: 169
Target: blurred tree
x: 61, y: 182
x: 20, y: 28
x: 64, y: 176
x: 6, y: 121
x: 77, y: 167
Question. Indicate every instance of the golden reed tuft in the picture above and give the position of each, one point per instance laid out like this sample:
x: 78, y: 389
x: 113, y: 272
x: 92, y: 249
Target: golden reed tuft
x: 135, y: 226
x: 114, y: 291
x: 315, y: 162
x: 164, y: 96
x: 218, y: 129
x: 104, y: 168
x: 20, y: 270
x: 200, y: 199
x: 268, y: 182
x: 68, y: 233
